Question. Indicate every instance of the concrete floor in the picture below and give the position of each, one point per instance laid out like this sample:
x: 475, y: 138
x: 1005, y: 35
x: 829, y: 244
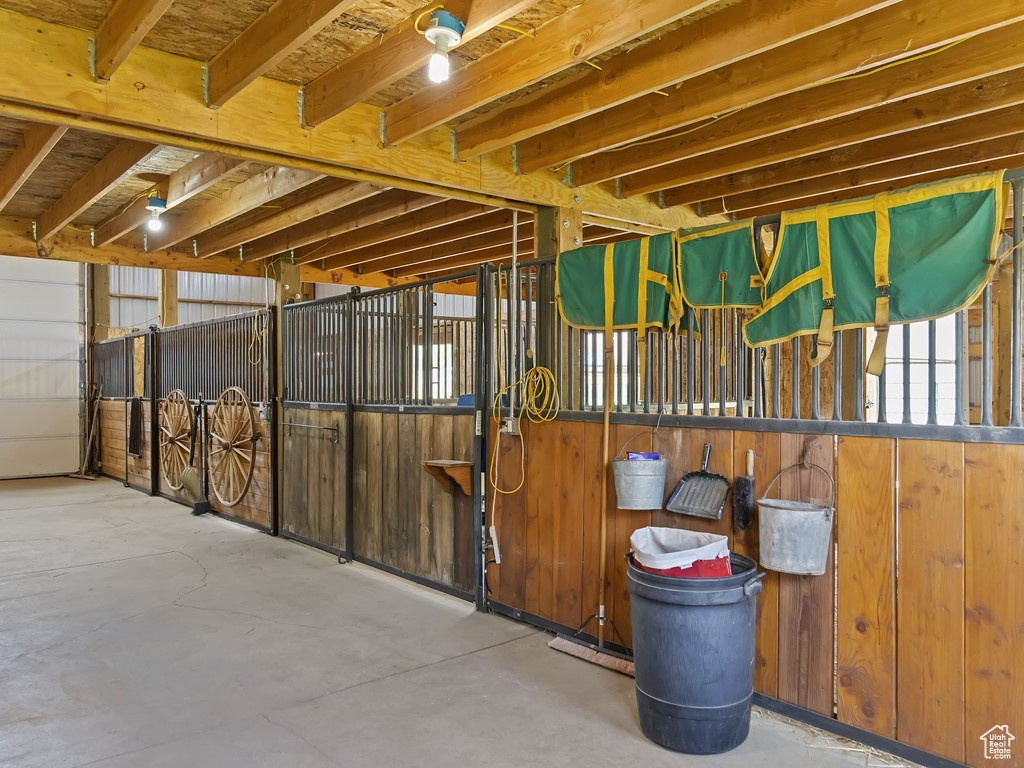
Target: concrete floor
x: 133, y: 634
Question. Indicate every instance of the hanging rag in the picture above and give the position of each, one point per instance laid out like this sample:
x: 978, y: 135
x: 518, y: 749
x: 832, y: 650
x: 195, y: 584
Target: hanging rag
x: 900, y: 257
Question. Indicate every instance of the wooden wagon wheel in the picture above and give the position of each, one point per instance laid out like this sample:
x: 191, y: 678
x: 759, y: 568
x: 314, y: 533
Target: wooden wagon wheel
x: 175, y: 430
x: 233, y: 439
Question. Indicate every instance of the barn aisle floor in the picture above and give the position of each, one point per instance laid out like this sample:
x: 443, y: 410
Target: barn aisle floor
x: 133, y: 634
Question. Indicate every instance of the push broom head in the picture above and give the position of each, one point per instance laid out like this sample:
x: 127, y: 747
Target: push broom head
x: 192, y: 483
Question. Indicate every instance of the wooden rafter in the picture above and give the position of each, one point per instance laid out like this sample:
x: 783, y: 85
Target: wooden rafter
x: 960, y: 104
x: 184, y: 184
x: 467, y: 259
x: 170, y: 110
x: 344, y: 251
x: 997, y: 124
x: 442, y: 251
x: 883, y: 37
x: 33, y: 148
x: 984, y: 156
x: 99, y: 180
x: 986, y: 55
x: 587, y: 30
x: 397, y: 53
x: 750, y: 27
x: 250, y: 194
x: 437, y: 237
x: 124, y: 27
x: 387, y: 205
x: 285, y: 26
x: 309, y: 204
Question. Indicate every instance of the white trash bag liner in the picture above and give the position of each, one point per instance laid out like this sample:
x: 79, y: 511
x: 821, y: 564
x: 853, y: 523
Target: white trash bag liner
x: 665, y: 548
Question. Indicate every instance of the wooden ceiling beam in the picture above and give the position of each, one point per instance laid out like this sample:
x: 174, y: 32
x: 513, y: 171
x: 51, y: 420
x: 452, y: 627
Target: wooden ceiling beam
x: 97, y: 182
x: 260, y: 124
x: 959, y: 104
x: 396, y: 54
x: 33, y: 148
x: 587, y: 30
x: 124, y: 27
x: 981, y: 157
x: 887, y: 150
x: 752, y: 27
x: 891, y: 34
x: 250, y: 194
x: 985, y: 55
x: 280, y: 30
x: 430, y: 238
x: 441, y: 251
x: 467, y: 259
x: 185, y: 183
x: 341, y: 251
x: 387, y: 205
x: 309, y: 204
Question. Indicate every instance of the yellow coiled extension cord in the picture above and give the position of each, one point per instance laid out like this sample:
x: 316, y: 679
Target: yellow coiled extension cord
x: 540, y: 404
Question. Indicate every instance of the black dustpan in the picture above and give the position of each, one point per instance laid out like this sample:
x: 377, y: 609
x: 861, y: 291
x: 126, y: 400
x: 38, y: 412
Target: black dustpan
x: 701, y: 494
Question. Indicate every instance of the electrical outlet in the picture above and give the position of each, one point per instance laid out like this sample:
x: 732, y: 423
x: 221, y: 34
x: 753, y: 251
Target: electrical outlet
x: 510, y: 426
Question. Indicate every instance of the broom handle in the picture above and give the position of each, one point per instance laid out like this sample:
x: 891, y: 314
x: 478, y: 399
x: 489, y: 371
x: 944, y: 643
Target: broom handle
x: 609, y: 371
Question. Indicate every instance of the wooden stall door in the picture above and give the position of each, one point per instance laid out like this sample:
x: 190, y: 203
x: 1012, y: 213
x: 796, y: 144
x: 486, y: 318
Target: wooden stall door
x: 314, y: 476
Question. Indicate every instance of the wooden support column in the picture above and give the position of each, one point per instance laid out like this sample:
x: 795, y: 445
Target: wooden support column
x: 100, y: 301
x: 555, y: 230
x: 167, y: 297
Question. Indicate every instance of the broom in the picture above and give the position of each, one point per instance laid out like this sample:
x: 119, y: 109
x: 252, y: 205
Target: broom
x: 190, y: 479
x: 570, y: 644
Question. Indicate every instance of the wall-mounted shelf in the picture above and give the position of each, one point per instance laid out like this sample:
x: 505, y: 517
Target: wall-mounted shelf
x: 448, y: 471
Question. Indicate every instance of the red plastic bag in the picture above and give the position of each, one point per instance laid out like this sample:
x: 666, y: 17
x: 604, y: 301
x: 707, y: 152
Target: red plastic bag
x: 681, y: 553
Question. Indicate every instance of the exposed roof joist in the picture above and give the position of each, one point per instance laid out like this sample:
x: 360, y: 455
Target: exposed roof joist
x: 921, y: 116
x: 397, y: 53
x: 750, y: 27
x: 310, y: 203
x: 441, y: 251
x: 250, y: 194
x: 285, y: 26
x: 99, y: 180
x: 1001, y: 123
x: 344, y: 251
x: 381, y: 207
x: 587, y: 30
x: 184, y: 184
x: 897, y: 32
x: 985, y: 55
x: 33, y: 148
x: 124, y: 27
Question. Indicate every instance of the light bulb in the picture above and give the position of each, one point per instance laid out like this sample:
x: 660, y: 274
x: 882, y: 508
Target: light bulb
x: 437, y: 70
x: 154, y: 224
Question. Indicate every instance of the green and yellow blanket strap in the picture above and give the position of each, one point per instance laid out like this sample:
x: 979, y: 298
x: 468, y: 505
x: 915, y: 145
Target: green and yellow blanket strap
x: 627, y: 285
x: 900, y: 257
x: 718, y: 270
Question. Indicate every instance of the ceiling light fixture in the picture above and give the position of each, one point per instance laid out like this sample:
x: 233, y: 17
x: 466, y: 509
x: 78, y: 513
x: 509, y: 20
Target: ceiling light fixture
x: 156, y: 206
x: 444, y: 32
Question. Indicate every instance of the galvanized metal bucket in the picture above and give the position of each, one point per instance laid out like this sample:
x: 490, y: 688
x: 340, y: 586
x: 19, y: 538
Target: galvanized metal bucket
x: 639, y: 484
x: 795, y: 535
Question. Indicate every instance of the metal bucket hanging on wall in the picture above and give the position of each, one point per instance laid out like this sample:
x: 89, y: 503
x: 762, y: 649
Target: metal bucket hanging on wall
x: 795, y: 535
x: 639, y: 483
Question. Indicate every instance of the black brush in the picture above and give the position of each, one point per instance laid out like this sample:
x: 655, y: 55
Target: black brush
x: 743, y: 497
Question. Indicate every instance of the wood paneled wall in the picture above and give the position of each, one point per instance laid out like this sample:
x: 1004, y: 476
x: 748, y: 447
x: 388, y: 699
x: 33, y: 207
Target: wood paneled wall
x: 313, y: 473
x: 402, y: 517
x: 113, y: 438
x: 916, y: 630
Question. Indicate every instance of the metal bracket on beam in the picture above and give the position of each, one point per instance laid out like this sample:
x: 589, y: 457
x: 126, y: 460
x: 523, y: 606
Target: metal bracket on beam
x: 515, y: 160
x: 241, y: 254
x: 145, y: 242
x: 92, y: 237
x: 383, y: 130
x: 300, y: 100
x: 455, y: 147
x: 291, y: 255
x: 206, y: 85
x: 661, y: 200
x: 195, y: 248
x: 568, y: 179
x: 618, y: 187
x: 700, y: 209
x: 35, y: 231
x: 92, y: 57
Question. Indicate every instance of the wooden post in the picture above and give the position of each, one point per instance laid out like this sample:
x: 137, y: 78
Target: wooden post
x: 555, y: 230
x: 100, y: 301
x: 167, y: 297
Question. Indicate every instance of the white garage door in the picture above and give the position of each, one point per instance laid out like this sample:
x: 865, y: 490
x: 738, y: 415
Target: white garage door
x: 40, y: 339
